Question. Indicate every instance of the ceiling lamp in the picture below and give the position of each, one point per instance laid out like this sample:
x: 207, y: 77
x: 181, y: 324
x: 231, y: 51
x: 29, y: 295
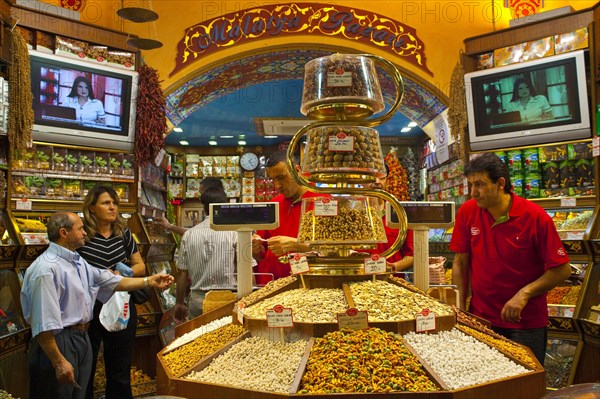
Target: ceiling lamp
x: 137, y: 14
x: 141, y: 15
x: 144, y: 44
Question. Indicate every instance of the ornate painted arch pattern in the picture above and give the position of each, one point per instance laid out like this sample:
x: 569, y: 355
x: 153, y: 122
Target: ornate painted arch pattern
x: 419, y: 104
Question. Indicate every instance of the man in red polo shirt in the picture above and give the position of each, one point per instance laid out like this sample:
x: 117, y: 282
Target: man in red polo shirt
x: 508, y: 254
x: 283, y: 239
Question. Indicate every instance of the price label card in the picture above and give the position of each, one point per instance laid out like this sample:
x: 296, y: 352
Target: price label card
x: 299, y: 264
x: 159, y: 157
x: 568, y: 202
x: 326, y: 207
x: 575, y: 235
x: 280, y: 317
x: 375, y: 264
x: 596, y: 146
x: 353, y: 319
x: 24, y: 204
x: 341, y: 142
x: 240, y: 313
x: 425, y: 321
x: 339, y: 78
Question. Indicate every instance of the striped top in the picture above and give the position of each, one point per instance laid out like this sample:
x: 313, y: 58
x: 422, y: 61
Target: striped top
x: 209, y: 257
x: 105, y: 253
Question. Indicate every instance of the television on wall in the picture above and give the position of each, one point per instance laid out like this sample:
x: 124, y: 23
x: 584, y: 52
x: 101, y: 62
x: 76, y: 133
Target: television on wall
x: 82, y: 103
x: 534, y: 102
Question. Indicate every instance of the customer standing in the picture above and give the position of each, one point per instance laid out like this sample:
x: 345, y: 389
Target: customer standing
x: 205, y: 184
x: 58, y: 294
x: 207, y: 257
x: 508, y: 255
x: 109, y: 242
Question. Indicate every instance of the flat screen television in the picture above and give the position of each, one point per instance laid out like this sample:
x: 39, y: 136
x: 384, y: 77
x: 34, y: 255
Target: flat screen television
x: 99, y: 112
x: 534, y: 102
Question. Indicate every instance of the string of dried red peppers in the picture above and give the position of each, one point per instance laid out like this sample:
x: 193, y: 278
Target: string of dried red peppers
x: 151, y: 118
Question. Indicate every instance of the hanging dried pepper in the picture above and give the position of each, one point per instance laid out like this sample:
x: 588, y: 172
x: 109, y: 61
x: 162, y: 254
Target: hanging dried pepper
x: 20, y: 114
x: 151, y: 117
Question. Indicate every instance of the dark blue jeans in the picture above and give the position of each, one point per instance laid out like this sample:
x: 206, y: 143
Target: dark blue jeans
x: 534, y: 338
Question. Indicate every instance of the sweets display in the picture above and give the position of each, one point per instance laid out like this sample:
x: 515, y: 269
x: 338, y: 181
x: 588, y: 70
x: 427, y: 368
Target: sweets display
x: 341, y: 82
x: 343, y: 148
x: 352, y: 220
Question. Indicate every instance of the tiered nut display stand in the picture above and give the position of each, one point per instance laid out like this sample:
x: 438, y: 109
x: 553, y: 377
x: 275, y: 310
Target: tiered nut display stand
x: 295, y: 336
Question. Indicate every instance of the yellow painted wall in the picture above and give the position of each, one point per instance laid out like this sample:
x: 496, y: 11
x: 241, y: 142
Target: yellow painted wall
x: 441, y: 25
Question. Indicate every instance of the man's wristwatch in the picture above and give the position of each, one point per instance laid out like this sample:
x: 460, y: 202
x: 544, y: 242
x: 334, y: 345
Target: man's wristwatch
x: 146, y: 282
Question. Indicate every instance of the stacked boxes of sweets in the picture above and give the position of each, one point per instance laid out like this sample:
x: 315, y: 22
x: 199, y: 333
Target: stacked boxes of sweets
x: 175, y: 187
x: 233, y: 166
x: 567, y: 170
x: 205, y: 167
x: 249, y: 190
x: 191, y: 165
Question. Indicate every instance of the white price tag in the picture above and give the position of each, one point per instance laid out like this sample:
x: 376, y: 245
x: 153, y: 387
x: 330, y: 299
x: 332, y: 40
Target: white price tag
x: 159, y: 157
x: 568, y: 202
x: 596, y: 146
x: 326, y: 207
x: 299, y: 264
x: 240, y: 313
x: 339, y: 78
x: 425, y: 321
x: 575, y: 235
x: 375, y: 264
x: 353, y: 319
x: 280, y: 317
x: 341, y: 142
x: 23, y: 204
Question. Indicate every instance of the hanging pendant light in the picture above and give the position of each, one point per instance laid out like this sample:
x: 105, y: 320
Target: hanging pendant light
x: 141, y: 15
x: 144, y: 44
x: 137, y: 14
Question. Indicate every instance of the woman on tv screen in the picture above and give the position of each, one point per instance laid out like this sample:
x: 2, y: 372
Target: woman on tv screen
x: 531, y: 106
x: 87, y: 107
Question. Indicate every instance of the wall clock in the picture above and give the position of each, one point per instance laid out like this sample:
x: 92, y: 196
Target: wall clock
x: 249, y: 161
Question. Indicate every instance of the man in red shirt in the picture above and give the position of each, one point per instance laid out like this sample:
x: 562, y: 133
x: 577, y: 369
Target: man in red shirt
x: 283, y: 239
x: 508, y: 254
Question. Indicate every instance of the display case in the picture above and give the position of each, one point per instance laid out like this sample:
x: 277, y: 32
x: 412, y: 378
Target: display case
x: 58, y: 172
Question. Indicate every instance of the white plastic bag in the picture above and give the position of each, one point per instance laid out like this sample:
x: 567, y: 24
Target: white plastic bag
x: 114, y: 314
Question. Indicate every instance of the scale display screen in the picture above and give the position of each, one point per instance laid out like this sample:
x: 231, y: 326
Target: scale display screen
x: 431, y: 214
x: 244, y: 216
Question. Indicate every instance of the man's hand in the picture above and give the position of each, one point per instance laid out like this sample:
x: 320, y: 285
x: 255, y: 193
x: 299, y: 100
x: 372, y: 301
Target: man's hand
x: 257, y: 245
x: 162, y: 221
x: 65, y: 374
x: 282, y: 245
x: 161, y: 281
x: 511, y: 312
x: 180, y: 314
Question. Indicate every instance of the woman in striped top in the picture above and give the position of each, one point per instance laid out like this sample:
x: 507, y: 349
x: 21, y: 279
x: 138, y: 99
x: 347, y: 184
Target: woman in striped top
x: 109, y: 242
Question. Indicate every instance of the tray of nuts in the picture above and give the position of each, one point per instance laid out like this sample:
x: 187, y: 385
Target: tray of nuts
x: 341, y: 83
x: 342, y: 150
x: 346, y: 220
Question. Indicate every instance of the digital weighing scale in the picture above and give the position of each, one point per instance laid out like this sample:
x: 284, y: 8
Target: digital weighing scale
x: 244, y: 218
x: 421, y: 217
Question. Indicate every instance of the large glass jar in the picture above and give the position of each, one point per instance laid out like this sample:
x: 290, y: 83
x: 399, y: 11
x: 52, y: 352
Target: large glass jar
x: 342, y: 149
x: 353, y: 221
x: 341, y: 85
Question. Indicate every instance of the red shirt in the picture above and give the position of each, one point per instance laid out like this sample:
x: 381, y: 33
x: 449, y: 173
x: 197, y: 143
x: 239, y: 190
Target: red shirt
x: 406, y: 249
x: 506, y: 257
x: 289, y: 225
